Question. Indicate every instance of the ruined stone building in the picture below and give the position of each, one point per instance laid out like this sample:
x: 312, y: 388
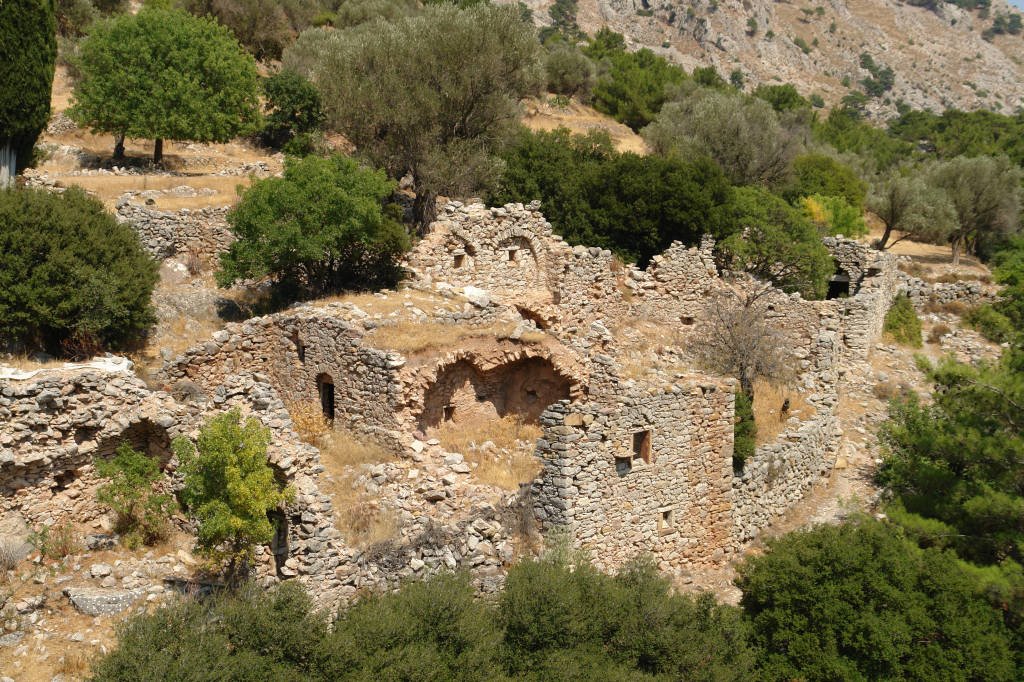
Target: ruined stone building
x: 636, y: 445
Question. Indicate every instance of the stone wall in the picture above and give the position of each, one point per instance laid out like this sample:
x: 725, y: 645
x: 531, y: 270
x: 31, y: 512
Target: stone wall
x: 650, y: 473
x: 165, y: 234
x: 922, y: 293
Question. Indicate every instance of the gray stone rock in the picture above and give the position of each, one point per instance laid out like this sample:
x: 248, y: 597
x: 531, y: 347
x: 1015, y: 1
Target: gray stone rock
x: 98, y: 601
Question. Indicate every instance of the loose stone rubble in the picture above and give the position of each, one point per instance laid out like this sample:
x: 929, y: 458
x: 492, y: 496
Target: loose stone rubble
x: 514, y: 322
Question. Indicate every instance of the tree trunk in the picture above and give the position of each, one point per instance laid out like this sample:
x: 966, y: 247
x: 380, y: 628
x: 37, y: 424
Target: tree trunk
x: 957, y: 245
x: 119, y: 147
x: 424, y: 210
x: 158, y: 150
x: 885, y: 238
x: 747, y: 385
x: 8, y: 165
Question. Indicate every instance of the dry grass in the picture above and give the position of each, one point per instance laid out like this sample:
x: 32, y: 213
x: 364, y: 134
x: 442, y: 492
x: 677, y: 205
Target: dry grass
x: 937, y: 332
x: 108, y: 188
x: 510, y: 462
x: 361, y: 518
x: 74, y: 662
x: 410, y: 336
x: 25, y: 363
x: 887, y: 390
x: 957, y: 308
x: 769, y: 399
x: 581, y: 119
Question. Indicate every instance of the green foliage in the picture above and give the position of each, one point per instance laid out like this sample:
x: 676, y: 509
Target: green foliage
x: 903, y: 323
x: 142, y: 513
x: 264, y: 27
x: 816, y: 101
x: 858, y: 602
x: 28, y: 51
x: 70, y: 273
x: 802, y: 44
x: 847, y: 132
x: 569, y: 72
x: 912, y: 206
x: 781, y: 97
x: 294, y: 110
x: 776, y: 242
x: 708, y: 77
x: 165, y: 74
x: 744, y: 431
x: 74, y: 17
x: 355, y: 12
x: 822, y: 174
x: 434, y: 95
x: 250, y: 634
x: 881, y: 79
x: 635, y: 205
x: 631, y: 86
x: 55, y: 541
x: 832, y: 215
x: 963, y: 133
x: 319, y: 228
x: 229, y: 487
x: 991, y: 323
x: 742, y: 134
x: 985, y: 193
x: 429, y: 630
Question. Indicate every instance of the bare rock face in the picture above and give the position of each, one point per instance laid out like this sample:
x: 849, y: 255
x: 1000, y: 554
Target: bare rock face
x: 939, y: 56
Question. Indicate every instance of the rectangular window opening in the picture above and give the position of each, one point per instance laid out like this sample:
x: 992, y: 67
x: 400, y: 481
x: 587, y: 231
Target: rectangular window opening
x: 459, y: 260
x: 665, y: 521
x: 448, y: 413
x: 511, y: 255
x: 327, y: 399
x: 642, y: 446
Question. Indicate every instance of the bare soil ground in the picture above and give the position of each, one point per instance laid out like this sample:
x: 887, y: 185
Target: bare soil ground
x: 581, y: 120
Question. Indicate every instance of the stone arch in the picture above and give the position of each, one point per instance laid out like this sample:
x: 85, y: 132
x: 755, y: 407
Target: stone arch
x: 463, y: 391
x: 519, y: 261
x: 142, y: 435
x: 461, y: 252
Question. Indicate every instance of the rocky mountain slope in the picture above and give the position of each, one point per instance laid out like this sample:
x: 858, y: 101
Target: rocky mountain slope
x: 938, y: 56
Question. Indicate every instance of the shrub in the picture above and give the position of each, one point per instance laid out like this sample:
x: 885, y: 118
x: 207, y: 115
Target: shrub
x: 293, y: 111
x: 937, y: 332
x: 834, y: 216
x: 319, y: 228
x: 142, y: 514
x: 55, y: 541
x: 744, y: 432
x: 859, y: 602
x: 229, y: 488
x: 10, y: 554
x: 569, y: 72
x: 822, y: 174
x: 902, y: 322
x: 70, y: 273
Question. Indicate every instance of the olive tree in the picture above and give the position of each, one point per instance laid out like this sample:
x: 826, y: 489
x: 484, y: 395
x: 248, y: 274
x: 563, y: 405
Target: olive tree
x: 165, y: 74
x: 742, y: 134
x: 913, y: 207
x: 28, y: 49
x: 432, y: 95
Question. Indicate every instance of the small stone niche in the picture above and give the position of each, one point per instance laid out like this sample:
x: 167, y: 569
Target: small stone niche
x: 642, y: 446
x: 458, y: 260
x: 666, y: 520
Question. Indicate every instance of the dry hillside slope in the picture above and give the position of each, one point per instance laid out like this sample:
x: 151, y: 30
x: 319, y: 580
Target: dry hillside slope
x: 939, y: 57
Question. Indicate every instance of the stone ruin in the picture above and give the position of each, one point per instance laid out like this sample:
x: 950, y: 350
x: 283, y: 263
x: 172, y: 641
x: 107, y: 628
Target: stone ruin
x: 516, y: 322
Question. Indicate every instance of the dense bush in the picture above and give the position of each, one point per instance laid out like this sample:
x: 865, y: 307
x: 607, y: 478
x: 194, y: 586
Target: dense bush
x: 229, y: 488
x: 781, y: 97
x: 264, y: 27
x: 142, y: 513
x: 823, y: 174
x: 634, y: 205
x: 859, y: 602
x: 569, y: 72
x: 552, y: 622
x: 319, y: 228
x: 902, y: 322
x: 72, y: 279
x: 832, y: 215
x: 294, y: 113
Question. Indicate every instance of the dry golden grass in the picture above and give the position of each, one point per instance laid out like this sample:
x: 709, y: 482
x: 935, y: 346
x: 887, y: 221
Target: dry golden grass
x: 581, y: 119
x: 360, y: 517
x: 768, y: 401
x: 410, y: 336
x: 110, y: 187
x: 496, y: 467
x: 24, y: 362
x: 74, y: 662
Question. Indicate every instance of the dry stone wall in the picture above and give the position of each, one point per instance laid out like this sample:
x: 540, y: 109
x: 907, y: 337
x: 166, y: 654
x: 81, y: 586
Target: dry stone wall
x: 165, y: 234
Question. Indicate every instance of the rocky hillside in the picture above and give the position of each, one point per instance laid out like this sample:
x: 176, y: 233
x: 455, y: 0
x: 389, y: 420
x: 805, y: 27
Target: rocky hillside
x: 938, y: 56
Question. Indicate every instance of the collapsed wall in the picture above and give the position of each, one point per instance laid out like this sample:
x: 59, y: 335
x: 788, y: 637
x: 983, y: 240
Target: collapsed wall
x: 201, y: 232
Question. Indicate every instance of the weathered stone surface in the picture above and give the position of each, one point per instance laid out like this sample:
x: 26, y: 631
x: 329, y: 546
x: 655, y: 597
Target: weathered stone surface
x: 99, y: 601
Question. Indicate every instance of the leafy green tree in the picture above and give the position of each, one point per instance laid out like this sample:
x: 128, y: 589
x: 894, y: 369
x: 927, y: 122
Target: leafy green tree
x: 635, y: 205
x: 859, y: 602
x: 776, y: 242
x: 782, y: 97
x: 165, y: 74
x: 742, y: 134
x: 833, y: 216
x: 631, y: 86
x: 142, y: 513
x: 846, y: 131
x: 355, y: 12
x: 825, y: 175
x: 74, y: 17
x: 28, y: 51
x: 908, y: 204
x: 963, y: 133
x: 319, y: 228
x: 744, y: 443
x: 294, y: 111
x: 71, y: 277
x: 433, y: 95
x: 985, y: 192
x: 229, y: 488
